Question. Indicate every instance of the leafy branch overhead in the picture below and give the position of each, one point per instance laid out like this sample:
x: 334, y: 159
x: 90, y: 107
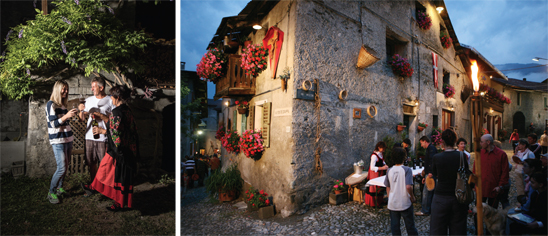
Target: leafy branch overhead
x: 80, y: 34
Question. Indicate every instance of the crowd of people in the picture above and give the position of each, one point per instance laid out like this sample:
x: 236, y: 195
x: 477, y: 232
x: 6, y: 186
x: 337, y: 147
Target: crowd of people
x: 197, y: 168
x: 111, y: 141
x: 448, y: 215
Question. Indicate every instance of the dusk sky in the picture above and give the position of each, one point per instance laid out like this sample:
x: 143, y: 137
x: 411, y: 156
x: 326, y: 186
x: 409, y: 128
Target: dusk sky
x: 503, y: 31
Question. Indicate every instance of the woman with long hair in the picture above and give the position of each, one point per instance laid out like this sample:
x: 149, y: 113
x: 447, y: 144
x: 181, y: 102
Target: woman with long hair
x: 114, y: 177
x: 447, y: 212
x: 60, y: 136
x: 377, y: 168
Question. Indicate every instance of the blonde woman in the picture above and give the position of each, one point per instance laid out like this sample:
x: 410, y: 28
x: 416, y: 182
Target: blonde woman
x: 60, y: 136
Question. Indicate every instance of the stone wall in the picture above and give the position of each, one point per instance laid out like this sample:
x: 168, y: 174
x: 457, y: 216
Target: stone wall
x: 329, y: 54
x: 148, y: 118
x: 14, y: 119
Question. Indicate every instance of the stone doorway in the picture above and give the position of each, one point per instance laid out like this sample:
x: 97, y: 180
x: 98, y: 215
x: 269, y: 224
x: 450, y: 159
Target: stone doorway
x: 519, y: 122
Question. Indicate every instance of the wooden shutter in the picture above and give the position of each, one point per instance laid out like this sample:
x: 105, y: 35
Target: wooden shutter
x: 266, y: 124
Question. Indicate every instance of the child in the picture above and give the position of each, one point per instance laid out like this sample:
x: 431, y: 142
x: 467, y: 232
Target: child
x: 399, y: 188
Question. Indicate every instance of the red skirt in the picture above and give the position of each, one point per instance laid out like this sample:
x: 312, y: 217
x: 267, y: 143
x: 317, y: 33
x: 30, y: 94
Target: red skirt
x: 374, y: 200
x: 104, y: 183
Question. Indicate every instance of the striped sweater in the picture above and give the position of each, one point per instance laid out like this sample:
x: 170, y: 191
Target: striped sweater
x: 59, y: 132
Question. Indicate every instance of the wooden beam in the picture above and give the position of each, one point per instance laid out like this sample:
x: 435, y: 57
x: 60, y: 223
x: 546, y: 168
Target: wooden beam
x: 45, y: 7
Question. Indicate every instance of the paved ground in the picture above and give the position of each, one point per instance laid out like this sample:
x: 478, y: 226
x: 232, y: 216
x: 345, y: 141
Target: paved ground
x: 200, y: 216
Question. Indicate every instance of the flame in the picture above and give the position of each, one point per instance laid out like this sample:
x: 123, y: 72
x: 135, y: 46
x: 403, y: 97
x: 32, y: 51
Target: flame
x: 475, y: 69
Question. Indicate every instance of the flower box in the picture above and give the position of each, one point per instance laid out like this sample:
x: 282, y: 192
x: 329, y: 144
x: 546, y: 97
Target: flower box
x: 251, y: 207
x: 336, y: 199
x: 266, y: 212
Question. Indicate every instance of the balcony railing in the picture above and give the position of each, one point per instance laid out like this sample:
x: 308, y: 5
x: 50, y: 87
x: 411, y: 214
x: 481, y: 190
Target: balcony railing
x: 236, y: 83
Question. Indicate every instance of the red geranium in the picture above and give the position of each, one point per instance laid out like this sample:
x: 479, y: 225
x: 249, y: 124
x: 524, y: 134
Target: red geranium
x: 251, y: 143
x: 256, y: 198
x: 400, y: 66
x: 231, y: 141
x: 220, y: 133
x: 254, y: 59
x: 423, y: 20
x: 446, y: 41
x: 212, y: 67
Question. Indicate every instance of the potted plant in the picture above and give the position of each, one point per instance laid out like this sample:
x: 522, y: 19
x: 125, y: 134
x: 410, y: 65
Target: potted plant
x: 246, y: 41
x: 284, y: 77
x: 502, y: 134
x: 258, y: 200
x: 338, y: 187
x: 251, y: 144
x: 337, y: 196
x: 400, y: 66
x: 213, y: 65
x: 254, y: 58
x: 242, y: 107
x: 227, y: 185
x: 448, y: 90
x: 401, y: 126
x: 231, y: 141
x: 446, y: 41
x: 422, y: 126
x: 423, y: 20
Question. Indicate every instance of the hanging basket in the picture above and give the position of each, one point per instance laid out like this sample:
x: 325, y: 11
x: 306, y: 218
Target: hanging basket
x: 420, y: 128
x: 366, y: 57
x: 242, y: 110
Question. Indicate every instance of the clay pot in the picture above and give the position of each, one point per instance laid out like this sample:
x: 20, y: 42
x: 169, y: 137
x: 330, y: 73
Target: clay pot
x: 401, y: 127
x: 420, y: 128
x: 338, y: 191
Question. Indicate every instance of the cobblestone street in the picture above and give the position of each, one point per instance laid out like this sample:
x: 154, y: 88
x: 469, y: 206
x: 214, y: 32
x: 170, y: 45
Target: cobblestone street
x: 200, y: 216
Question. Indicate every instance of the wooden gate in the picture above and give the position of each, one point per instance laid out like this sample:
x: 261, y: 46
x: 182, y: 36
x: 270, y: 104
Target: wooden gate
x: 77, y: 160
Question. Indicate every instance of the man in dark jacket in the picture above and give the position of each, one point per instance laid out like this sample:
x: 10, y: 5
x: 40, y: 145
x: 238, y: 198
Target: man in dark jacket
x: 427, y: 195
x: 201, y: 169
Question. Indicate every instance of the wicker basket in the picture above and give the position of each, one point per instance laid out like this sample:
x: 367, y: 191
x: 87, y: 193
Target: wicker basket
x: 366, y: 57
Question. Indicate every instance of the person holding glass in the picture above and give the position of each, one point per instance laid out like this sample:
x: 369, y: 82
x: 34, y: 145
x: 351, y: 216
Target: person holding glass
x: 114, y: 177
x: 60, y: 136
x: 98, y: 106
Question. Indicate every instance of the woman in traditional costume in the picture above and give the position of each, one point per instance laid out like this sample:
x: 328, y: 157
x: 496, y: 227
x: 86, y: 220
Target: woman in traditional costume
x: 114, y: 177
x: 377, y: 168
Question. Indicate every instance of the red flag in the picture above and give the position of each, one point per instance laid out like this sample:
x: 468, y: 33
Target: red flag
x: 273, y: 42
x: 435, y: 66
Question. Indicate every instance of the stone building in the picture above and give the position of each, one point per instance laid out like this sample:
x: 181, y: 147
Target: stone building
x: 529, y: 105
x: 334, y: 113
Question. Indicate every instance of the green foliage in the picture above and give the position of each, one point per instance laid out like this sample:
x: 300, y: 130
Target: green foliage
x: 419, y: 150
x: 84, y: 36
x: 231, y: 180
x: 75, y: 179
x: 390, y: 142
x: 189, y: 112
x: 403, y: 136
x: 166, y: 180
